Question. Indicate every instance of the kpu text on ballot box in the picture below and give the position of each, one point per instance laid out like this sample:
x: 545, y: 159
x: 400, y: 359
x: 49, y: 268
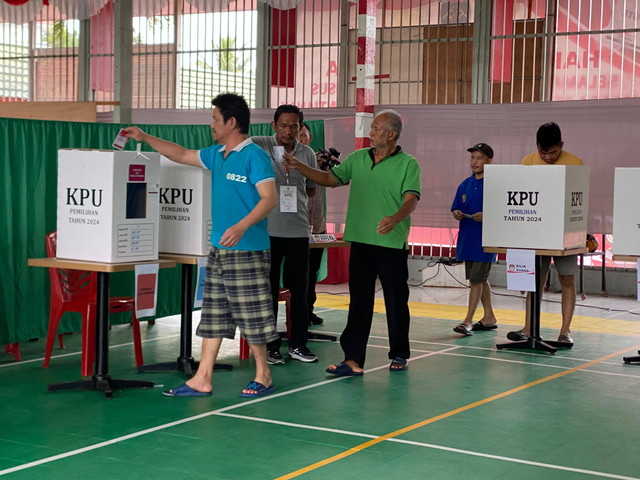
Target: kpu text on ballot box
x: 108, y: 205
x: 538, y: 207
x: 626, y: 212
x: 541, y: 207
x: 185, y: 209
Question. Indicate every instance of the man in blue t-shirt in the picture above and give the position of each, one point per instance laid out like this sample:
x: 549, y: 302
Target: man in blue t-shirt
x: 467, y: 209
x: 237, y: 291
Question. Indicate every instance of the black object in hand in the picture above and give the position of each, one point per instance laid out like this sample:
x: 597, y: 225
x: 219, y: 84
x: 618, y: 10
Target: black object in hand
x: 329, y: 158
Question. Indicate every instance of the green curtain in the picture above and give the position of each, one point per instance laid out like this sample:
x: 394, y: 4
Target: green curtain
x: 28, y: 184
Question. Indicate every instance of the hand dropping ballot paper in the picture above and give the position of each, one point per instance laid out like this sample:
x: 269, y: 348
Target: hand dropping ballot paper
x: 521, y: 273
x: 121, y: 139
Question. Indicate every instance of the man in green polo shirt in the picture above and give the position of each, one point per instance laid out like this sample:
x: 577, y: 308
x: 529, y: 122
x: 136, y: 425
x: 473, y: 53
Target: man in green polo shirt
x: 385, y: 188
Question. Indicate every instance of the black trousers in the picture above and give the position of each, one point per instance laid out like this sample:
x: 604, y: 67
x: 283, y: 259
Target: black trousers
x: 295, y: 275
x: 365, y: 264
x: 315, y: 260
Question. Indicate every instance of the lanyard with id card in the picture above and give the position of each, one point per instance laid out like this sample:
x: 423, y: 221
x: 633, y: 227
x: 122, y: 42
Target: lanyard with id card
x: 288, y: 199
x: 288, y: 193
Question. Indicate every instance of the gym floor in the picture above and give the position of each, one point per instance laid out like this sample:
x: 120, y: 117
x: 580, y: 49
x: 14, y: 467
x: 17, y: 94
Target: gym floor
x: 463, y: 410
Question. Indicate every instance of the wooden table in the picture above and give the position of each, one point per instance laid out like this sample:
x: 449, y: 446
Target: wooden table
x: 185, y: 362
x: 101, y: 380
x: 535, y: 341
x: 627, y: 258
x: 337, y: 243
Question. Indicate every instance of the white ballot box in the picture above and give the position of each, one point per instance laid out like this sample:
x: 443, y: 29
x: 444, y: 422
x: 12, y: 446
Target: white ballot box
x: 108, y: 205
x: 626, y: 214
x: 535, y: 207
x: 185, y: 209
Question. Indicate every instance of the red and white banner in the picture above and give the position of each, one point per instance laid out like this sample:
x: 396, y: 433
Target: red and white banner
x: 597, y: 66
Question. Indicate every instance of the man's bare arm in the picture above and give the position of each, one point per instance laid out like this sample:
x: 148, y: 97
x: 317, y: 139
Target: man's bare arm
x: 172, y: 151
x: 388, y: 223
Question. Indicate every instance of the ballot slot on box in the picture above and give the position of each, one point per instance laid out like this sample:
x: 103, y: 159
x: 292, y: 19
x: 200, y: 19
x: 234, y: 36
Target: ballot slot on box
x: 626, y: 214
x: 107, y: 205
x: 185, y: 209
x: 535, y: 206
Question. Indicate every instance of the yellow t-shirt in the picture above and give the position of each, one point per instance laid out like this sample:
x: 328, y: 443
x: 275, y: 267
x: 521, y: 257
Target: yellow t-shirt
x: 565, y: 158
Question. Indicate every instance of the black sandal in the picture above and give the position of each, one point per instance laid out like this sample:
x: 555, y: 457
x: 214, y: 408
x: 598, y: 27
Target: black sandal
x: 398, y: 364
x: 464, y: 329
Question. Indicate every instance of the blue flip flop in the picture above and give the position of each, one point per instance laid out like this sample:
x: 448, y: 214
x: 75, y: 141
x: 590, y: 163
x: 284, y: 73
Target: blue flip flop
x: 260, y: 389
x: 344, y: 370
x: 185, y: 390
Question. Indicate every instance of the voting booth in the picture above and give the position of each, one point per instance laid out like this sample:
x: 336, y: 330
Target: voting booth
x: 108, y: 205
x: 626, y: 214
x: 535, y: 206
x: 185, y: 209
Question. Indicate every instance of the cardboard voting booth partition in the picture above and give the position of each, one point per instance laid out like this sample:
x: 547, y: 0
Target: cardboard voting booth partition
x: 108, y: 205
x: 185, y: 209
x: 626, y: 213
x: 535, y: 207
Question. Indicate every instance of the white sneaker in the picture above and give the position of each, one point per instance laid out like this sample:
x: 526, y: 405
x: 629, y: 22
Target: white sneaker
x: 303, y: 354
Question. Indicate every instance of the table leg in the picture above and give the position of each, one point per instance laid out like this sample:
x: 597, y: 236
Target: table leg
x: 101, y: 380
x: 185, y: 362
x: 535, y: 341
x: 603, y: 278
x: 321, y: 337
x: 635, y: 359
x: 582, y: 295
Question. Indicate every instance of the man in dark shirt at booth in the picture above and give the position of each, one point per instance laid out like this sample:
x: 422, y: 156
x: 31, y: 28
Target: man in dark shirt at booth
x: 550, y: 151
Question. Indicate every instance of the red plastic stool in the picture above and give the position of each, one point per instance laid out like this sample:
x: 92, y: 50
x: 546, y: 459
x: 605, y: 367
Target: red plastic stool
x: 284, y: 295
x: 75, y: 291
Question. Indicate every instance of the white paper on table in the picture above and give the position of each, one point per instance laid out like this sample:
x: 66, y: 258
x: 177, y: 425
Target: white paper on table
x: 146, y: 289
x: 521, y: 270
x: 202, y: 272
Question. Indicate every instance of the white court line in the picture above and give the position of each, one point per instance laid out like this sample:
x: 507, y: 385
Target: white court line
x: 113, y: 441
x: 559, y: 367
x: 515, y: 352
x: 222, y: 412
x: 78, y: 352
x: 514, y: 460
x: 323, y: 310
x: 432, y: 446
x: 504, y: 352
